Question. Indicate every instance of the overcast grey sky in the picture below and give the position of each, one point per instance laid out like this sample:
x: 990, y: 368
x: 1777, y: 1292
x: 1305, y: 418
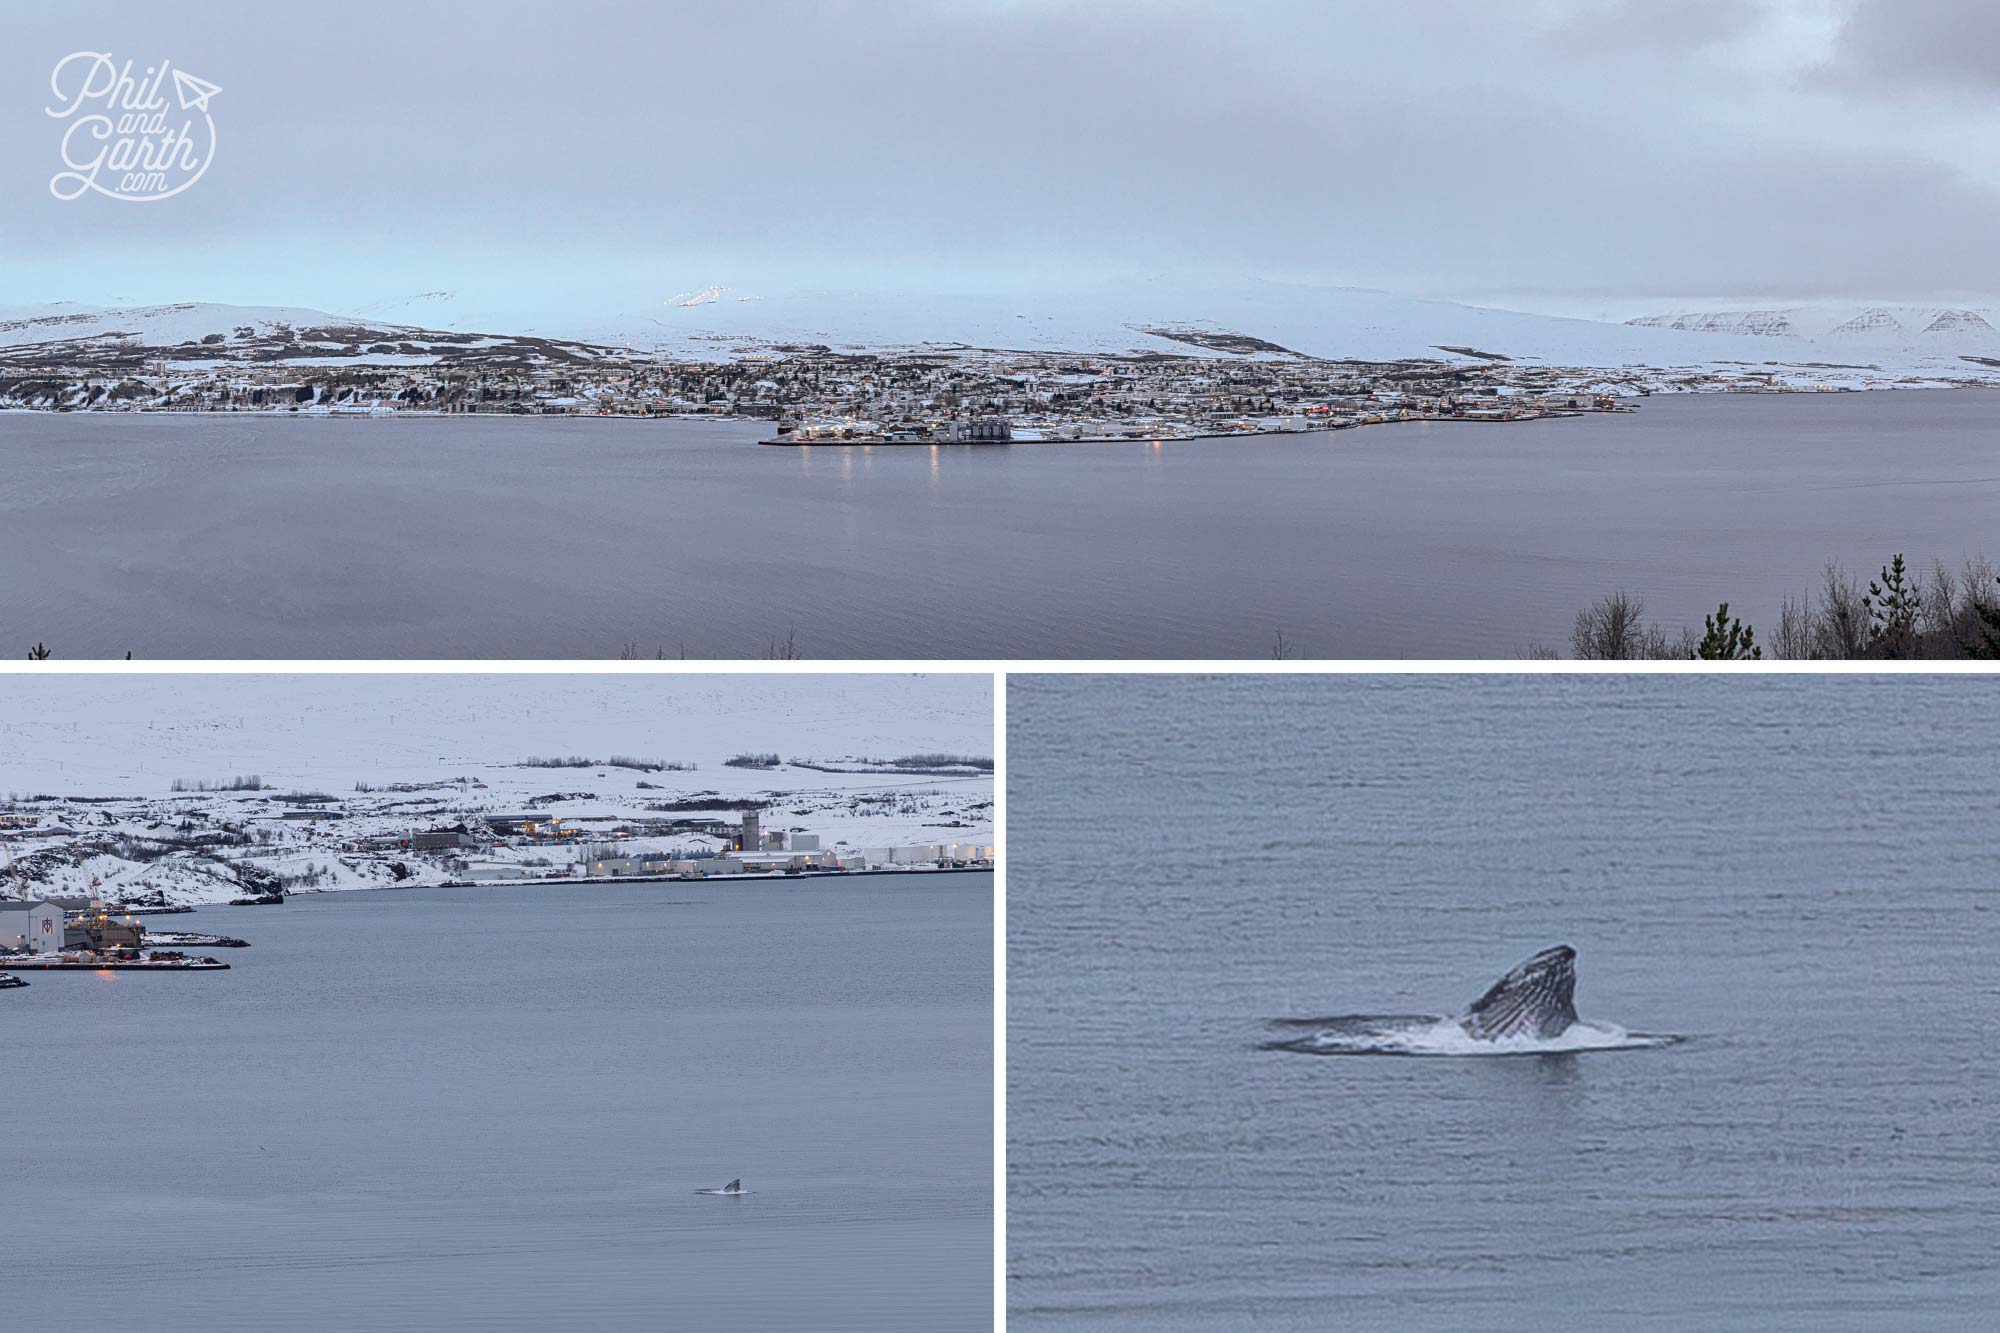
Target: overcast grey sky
x: 1559, y: 153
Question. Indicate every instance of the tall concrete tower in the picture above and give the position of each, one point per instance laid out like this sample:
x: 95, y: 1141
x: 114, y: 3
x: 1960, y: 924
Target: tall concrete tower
x: 752, y: 839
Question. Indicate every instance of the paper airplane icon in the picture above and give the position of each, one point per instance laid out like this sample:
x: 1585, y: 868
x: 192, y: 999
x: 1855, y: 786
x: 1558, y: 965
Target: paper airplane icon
x: 194, y: 93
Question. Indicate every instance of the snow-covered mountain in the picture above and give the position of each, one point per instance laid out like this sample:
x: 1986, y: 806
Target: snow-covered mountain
x: 1250, y: 318
x: 713, y: 321
x: 198, y: 333
x: 1265, y: 319
x: 1906, y: 326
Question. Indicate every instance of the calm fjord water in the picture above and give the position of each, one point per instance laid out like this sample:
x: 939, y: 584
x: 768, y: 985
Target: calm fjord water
x: 1797, y: 874
x: 490, y: 1109
x: 239, y: 536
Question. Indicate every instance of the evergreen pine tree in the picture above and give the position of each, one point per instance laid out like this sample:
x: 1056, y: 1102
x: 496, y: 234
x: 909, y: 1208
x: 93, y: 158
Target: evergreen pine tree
x: 1892, y: 611
x: 1727, y: 640
x: 1987, y: 644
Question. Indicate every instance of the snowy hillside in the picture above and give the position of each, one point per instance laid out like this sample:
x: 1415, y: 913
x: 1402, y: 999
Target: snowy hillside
x: 112, y: 769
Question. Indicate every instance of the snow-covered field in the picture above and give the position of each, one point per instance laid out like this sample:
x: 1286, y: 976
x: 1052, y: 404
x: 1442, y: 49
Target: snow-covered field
x: 100, y: 758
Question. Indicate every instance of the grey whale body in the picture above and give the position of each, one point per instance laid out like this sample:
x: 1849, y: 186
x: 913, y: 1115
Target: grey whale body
x: 1536, y: 999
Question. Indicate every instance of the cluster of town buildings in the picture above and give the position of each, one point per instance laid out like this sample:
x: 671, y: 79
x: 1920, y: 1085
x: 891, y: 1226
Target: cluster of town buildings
x: 946, y: 396
x: 540, y: 845
x: 597, y: 849
x: 1040, y: 396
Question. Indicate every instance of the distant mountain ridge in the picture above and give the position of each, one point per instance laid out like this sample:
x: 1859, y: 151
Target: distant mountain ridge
x: 1834, y: 345
x: 1265, y: 319
x: 1882, y: 323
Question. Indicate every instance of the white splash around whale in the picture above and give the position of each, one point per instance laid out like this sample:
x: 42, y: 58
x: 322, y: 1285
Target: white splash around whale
x: 1437, y: 1035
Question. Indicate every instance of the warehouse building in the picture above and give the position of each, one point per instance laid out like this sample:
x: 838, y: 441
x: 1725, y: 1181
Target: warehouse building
x: 30, y: 926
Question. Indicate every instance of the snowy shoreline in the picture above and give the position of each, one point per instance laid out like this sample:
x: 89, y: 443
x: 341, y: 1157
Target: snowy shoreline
x: 1883, y: 383
x: 563, y: 880
x: 398, y: 414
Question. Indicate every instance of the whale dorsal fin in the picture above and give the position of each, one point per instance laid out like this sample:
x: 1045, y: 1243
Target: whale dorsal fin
x: 1536, y: 999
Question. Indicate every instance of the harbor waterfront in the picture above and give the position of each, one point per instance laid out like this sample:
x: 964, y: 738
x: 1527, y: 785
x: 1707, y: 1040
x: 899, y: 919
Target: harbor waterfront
x: 75, y: 962
x: 1422, y: 539
x: 469, y: 1108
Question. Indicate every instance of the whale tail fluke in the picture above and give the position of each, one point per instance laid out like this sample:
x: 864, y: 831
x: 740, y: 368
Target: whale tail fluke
x: 1536, y: 999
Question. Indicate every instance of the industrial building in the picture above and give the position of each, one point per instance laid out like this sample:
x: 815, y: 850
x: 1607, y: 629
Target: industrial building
x: 979, y: 430
x: 613, y: 867
x: 30, y: 926
x: 930, y: 853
